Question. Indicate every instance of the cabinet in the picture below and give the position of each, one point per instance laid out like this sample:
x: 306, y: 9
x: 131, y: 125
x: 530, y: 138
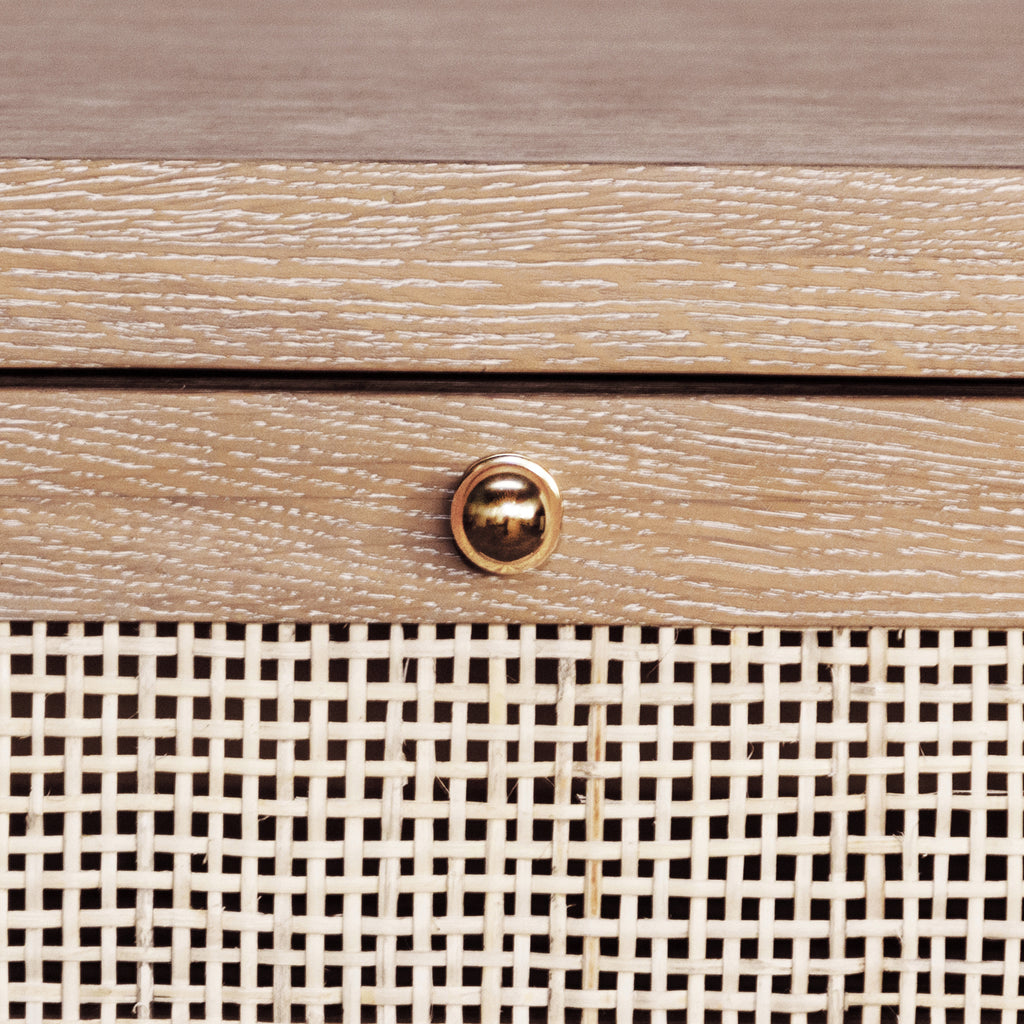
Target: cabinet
x: 749, y: 747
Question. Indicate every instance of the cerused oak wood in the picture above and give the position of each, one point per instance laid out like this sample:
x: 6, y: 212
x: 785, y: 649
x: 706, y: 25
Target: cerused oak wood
x: 797, y: 81
x: 445, y: 267
x: 785, y: 510
x: 166, y: 252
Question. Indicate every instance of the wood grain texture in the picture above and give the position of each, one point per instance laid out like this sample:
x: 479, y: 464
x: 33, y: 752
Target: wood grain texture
x: 682, y: 81
x: 524, y: 268
x: 716, y: 509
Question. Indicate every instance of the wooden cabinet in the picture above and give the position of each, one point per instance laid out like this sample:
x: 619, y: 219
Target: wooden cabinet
x: 749, y: 747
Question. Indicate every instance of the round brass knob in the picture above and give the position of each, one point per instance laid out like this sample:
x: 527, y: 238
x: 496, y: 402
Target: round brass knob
x: 506, y: 514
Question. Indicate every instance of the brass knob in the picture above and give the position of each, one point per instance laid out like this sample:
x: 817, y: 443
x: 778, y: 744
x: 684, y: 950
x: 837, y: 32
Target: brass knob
x: 506, y: 514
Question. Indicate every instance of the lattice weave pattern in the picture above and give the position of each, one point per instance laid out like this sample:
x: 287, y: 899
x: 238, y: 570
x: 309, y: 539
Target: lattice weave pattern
x: 415, y: 823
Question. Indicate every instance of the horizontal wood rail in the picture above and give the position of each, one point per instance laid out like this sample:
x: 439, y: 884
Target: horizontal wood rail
x: 431, y: 268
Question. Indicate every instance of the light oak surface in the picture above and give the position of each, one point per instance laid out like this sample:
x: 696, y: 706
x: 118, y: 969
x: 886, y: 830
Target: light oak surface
x: 719, y: 508
x: 681, y: 81
x: 381, y: 267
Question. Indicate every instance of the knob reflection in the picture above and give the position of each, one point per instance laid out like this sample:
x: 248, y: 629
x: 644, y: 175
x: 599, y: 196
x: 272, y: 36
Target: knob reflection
x: 504, y: 517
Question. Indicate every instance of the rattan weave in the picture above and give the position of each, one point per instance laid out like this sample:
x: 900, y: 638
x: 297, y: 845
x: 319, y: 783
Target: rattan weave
x: 415, y: 823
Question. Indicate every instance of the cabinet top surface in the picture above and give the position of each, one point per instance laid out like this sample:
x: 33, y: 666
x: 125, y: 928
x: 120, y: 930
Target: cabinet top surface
x: 883, y: 82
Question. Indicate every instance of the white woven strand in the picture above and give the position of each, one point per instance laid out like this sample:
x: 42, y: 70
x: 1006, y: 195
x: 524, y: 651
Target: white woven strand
x: 629, y: 858
x: 387, y: 991
x: 284, y: 776
x: 316, y: 831
x: 218, y: 803
x: 455, y: 886
x: 943, y: 827
x: 36, y: 994
x: 874, y: 827
x: 1012, y: 1003
x: 9, y: 953
x: 911, y: 856
x: 250, y: 768
x: 494, y: 855
x: 423, y: 831
x: 978, y: 811
x: 732, y: 1000
x: 839, y: 832
x: 805, y: 799
x: 594, y: 808
x: 701, y: 824
x: 146, y: 824
x: 181, y: 958
x: 74, y: 712
x: 353, y: 851
x: 770, y: 770
x: 561, y: 816
x: 660, y: 996
x: 526, y: 814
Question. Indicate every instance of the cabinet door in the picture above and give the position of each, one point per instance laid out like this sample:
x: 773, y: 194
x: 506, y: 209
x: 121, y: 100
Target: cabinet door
x: 398, y: 821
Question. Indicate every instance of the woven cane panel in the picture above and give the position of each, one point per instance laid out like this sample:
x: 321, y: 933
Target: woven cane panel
x: 400, y: 823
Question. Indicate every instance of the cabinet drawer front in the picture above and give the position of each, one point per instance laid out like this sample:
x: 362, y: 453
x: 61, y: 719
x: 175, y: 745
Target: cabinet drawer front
x: 718, y: 508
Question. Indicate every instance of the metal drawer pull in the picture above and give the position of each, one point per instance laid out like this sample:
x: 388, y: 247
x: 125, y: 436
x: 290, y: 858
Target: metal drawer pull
x: 506, y: 514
